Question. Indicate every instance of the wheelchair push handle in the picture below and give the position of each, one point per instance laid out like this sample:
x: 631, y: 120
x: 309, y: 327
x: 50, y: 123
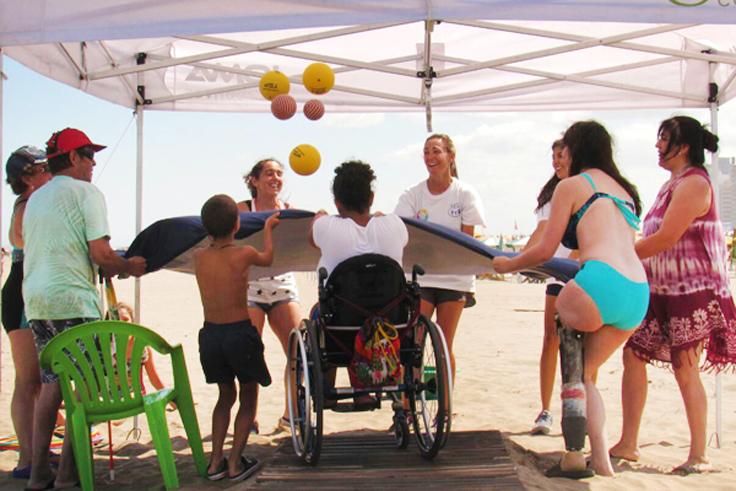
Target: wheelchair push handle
x: 322, y: 279
x: 417, y: 270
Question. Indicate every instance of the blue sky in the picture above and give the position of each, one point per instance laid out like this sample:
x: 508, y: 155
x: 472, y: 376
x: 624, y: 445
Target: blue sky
x: 188, y: 157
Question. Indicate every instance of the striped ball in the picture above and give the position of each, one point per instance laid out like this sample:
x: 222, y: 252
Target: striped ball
x: 283, y: 106
x: 314, y: 109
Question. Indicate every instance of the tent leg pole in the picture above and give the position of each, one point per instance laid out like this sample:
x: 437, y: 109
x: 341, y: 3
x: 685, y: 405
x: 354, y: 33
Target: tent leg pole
x: 138, y: 212
x: 138, y: 199
x: 717, y: 191
x: 2, y: 256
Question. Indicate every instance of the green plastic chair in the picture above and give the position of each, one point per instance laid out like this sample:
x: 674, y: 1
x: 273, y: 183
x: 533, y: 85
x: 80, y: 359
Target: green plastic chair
x: 102, y: 385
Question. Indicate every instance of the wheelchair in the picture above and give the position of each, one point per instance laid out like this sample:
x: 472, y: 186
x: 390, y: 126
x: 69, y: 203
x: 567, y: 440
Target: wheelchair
x: 360, y: 289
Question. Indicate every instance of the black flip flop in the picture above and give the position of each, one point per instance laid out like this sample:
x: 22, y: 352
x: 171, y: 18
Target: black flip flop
x: 250, y: 466
x: 556, y: 471
x: 220, y: 473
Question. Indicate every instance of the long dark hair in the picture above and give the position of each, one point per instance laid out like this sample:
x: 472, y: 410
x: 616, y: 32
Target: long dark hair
x: 684, y: 130
x: 545, y: 195
x: 591, y: 147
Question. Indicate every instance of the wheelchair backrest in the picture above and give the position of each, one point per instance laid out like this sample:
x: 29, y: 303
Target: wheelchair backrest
x: 371, y: 281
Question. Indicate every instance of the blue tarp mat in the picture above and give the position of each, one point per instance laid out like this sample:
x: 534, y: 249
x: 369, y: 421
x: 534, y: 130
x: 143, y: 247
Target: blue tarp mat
x: 170, y: 244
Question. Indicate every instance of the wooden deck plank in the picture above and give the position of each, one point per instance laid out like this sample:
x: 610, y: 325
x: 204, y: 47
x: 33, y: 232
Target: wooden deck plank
x: 471, y: 460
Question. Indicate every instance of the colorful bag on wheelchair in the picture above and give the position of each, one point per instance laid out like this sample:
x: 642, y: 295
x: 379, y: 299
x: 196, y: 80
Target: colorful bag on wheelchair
x: 376, y: 357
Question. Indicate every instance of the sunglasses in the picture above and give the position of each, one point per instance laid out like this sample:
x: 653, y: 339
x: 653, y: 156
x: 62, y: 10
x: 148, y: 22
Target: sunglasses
x: 86, y: 152
x: 31, y: 170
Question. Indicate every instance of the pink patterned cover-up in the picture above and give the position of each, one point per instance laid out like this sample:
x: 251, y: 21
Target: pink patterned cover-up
x: 690, y: 298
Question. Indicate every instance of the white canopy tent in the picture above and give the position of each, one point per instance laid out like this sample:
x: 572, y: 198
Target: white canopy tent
x: 416, y: 55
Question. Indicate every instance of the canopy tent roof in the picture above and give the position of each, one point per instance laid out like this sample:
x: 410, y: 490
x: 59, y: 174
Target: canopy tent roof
x: 387, y: 55
x: 43, y: 21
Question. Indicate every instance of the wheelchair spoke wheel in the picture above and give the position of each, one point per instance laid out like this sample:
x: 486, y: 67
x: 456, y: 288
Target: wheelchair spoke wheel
x: 304, y: 379
x: 430, y: 400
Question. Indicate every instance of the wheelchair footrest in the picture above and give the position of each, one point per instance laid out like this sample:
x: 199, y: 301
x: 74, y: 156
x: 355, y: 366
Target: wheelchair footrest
x: 350, y: 407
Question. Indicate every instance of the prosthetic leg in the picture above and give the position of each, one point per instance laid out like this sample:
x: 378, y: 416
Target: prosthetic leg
x: 574, y: 427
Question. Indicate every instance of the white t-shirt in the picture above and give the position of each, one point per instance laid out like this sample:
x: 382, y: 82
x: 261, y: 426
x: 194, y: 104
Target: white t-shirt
x: 459, y: 205
x: 341, y: 238
x: 562, y: 251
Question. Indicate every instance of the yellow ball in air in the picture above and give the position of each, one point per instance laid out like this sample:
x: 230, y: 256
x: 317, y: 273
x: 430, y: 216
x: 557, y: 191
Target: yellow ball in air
x: 273, y: 83
x: 318, y: 78
x: 304, y: 159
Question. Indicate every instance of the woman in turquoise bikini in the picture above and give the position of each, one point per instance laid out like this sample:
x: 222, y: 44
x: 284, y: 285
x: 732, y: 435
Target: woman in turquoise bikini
x: 595, y: 210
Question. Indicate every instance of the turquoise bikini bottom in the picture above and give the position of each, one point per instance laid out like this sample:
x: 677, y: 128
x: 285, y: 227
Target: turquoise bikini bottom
x: 621, y: 302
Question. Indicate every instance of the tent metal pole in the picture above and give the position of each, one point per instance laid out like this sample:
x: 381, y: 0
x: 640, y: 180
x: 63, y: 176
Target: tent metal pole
x: 139, y: 191
x: 2, y: 256
x: 612, y: 41
x: 139, y: 177
x: 428, y: 73
x: 253, y: 85
x: 304, y: 55
x: 582, y: 44
x: 245, y: 48
x: 138, y: 198
x: 715, y: 165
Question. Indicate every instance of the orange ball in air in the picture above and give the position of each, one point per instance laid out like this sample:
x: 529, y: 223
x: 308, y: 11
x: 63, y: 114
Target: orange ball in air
x: 283, y: 106
x: 314, y: 109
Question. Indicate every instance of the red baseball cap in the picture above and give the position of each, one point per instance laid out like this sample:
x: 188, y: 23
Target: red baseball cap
x: 69, y: 139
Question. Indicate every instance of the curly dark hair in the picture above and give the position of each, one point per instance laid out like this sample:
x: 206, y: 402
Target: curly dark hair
x: 353, y: 185
x: 255, y: 173
x: 684, y: 130
x: 219, y: 215
x: 591, y: 147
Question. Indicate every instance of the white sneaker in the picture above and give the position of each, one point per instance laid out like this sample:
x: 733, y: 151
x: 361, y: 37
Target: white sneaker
x: 543, y: 423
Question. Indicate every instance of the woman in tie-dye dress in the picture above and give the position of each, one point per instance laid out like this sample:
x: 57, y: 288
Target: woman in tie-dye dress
x: 690, y: 308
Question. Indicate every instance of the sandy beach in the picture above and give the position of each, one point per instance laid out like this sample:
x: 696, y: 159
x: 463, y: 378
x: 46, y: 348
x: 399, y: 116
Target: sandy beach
x: 496, y: 387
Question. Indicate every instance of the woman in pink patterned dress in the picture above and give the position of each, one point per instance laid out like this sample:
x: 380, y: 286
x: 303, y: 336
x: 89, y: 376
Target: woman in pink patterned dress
x: 690, y: 308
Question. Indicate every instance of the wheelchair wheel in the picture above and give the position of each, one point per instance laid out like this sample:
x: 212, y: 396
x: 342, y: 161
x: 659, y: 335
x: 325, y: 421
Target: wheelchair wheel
x: 430, y: 400
x: 305, y: 394
x: 401, y: 430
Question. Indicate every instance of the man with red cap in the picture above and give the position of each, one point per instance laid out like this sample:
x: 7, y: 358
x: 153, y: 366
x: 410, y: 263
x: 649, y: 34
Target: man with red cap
x: 65, y: 232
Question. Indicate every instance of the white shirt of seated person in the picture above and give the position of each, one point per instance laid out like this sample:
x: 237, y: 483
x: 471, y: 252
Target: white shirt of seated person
x: 341, y: 238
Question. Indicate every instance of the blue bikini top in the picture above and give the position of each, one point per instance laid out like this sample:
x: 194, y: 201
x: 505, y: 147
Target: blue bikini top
x: 570, y: 239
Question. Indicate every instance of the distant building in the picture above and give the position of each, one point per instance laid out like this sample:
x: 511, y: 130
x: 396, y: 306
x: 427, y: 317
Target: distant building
x: 727, y: 202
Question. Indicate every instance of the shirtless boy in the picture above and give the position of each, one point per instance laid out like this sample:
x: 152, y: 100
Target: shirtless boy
x: 229, y: 345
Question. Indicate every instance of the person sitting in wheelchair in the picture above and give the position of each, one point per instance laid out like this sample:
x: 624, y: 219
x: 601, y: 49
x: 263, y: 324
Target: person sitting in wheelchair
x: 355, y: 231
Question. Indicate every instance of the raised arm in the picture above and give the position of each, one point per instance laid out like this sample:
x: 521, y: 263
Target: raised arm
x: 319, y: 215
x: 265, y: 258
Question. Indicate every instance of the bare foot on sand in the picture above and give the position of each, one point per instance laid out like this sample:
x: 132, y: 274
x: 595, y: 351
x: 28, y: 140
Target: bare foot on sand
x: 699, y: 466
x: 620, y: 451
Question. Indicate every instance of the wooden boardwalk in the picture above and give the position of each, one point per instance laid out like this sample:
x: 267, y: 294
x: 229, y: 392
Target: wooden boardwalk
x: 471, y: 460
